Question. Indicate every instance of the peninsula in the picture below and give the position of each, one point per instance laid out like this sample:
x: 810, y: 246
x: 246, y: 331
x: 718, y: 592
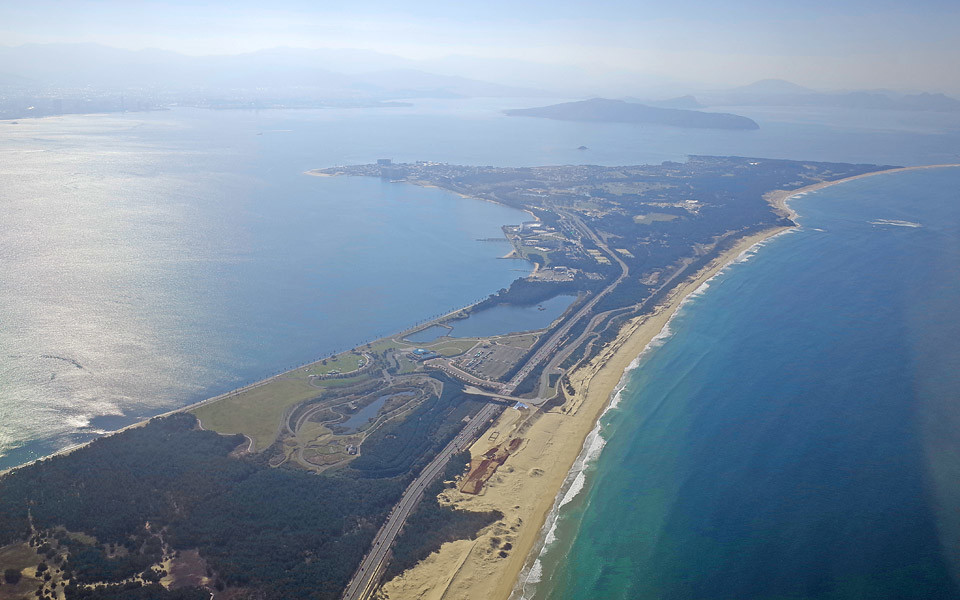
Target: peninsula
x: 620, y: 111
x: 345, y: 477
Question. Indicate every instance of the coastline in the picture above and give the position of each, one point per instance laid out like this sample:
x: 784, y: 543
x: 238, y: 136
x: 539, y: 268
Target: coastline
x: 779, y: 199
x: 423, y: 184
x: 533, y: 482
x: 534, y: 267
x: 595, y: 383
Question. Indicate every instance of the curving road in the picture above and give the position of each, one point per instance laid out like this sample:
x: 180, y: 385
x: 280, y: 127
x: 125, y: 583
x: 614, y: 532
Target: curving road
x: 367, y: 576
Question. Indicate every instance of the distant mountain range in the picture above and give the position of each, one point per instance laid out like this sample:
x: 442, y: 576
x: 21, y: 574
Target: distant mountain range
x: 620, y: 111
x: 44, y: 79
x: 281, y: 73
x: 776, y: 92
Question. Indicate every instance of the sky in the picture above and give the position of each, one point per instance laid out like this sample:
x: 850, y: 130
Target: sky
x: 843, y: 44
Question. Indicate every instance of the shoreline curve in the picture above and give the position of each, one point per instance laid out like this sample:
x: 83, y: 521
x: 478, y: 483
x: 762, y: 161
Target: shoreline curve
x: 561, y: 440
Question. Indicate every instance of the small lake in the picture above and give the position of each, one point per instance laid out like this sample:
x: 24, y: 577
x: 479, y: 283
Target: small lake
x: 507, y: 318
x: 428, y: 335
x: 498, y: 320
x: 368, y: 412
x: 364, y: 415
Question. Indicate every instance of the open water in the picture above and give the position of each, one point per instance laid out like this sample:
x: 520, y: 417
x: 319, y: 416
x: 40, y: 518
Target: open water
x: 793, y: 434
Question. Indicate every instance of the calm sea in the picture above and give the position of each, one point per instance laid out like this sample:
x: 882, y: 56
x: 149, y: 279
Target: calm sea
x: 794, y: 434
x: 150, y: 260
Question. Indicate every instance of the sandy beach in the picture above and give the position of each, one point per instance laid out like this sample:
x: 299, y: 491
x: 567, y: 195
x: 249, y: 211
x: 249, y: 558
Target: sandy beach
x: 779, y: 198
x: 526, y: 488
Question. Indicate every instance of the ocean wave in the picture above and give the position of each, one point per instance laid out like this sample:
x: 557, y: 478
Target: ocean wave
x: 576, y: 478
x: 535, y: 574
x: 573, y: 484
x: 78, y: 421
x: 896, y: 223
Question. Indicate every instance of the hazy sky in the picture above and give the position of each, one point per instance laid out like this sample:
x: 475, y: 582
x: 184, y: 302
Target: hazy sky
x: 820, y: 43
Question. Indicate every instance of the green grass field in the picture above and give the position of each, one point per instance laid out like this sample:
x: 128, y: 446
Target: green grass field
x: 407, y: 365
x: 384, y: 345
x: 530, y: 254
x: 256, y: 412
x: 650, y: 218
x: 344, y: 363
x: 453, y: 346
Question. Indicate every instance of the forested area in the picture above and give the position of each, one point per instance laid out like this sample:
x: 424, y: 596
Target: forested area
x: 132, y: 591
x: 285, y: 532
x: 729, y: 197
x: 111, y: 487
x: 288, y: 533
x: 526, y: 292
x: 431, y: 525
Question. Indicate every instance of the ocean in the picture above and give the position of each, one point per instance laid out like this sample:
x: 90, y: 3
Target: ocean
x: 150, y: 260
x: 792, y: 434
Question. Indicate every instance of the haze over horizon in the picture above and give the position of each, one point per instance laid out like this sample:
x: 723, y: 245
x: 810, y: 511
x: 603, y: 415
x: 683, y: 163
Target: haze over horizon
x: 612, y: 47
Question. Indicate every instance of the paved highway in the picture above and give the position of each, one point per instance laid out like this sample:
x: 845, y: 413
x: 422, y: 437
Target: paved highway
x: 365, y: 580
x: 549, y: 348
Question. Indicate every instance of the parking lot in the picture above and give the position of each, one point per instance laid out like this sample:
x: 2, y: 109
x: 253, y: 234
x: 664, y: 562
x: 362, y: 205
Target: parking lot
x: 490, y: 361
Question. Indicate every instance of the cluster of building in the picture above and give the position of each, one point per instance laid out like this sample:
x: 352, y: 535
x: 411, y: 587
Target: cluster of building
x: 421, y: 354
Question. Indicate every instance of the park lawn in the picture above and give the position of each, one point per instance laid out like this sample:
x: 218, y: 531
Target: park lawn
x: 344, y: 382
x: 345, y: 363
x: 407, y: 365
x: 453, y: 346
x: 310, y: 433
x: 530, y: 254
x: 655, y: 217
x: 383, y: 345
x: 256, y: 412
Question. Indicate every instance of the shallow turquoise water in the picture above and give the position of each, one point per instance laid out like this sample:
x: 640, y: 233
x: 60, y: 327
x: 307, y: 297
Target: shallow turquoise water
x: 795, y: 434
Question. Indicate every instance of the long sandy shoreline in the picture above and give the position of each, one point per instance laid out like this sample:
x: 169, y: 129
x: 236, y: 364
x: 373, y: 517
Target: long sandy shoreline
x: 779, y: 198
x: 531, y: 484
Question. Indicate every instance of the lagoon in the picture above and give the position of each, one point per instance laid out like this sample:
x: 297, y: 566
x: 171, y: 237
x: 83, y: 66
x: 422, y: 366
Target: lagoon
x: 507, y: 318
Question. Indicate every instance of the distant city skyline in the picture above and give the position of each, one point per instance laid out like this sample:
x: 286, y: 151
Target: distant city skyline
x: 613, y: 45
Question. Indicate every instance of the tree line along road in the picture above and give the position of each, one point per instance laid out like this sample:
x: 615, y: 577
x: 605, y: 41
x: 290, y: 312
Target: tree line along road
x: 367, y: 576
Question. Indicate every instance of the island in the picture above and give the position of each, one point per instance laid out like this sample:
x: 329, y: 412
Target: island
x: 337, y: 479
x: 620, y: 111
